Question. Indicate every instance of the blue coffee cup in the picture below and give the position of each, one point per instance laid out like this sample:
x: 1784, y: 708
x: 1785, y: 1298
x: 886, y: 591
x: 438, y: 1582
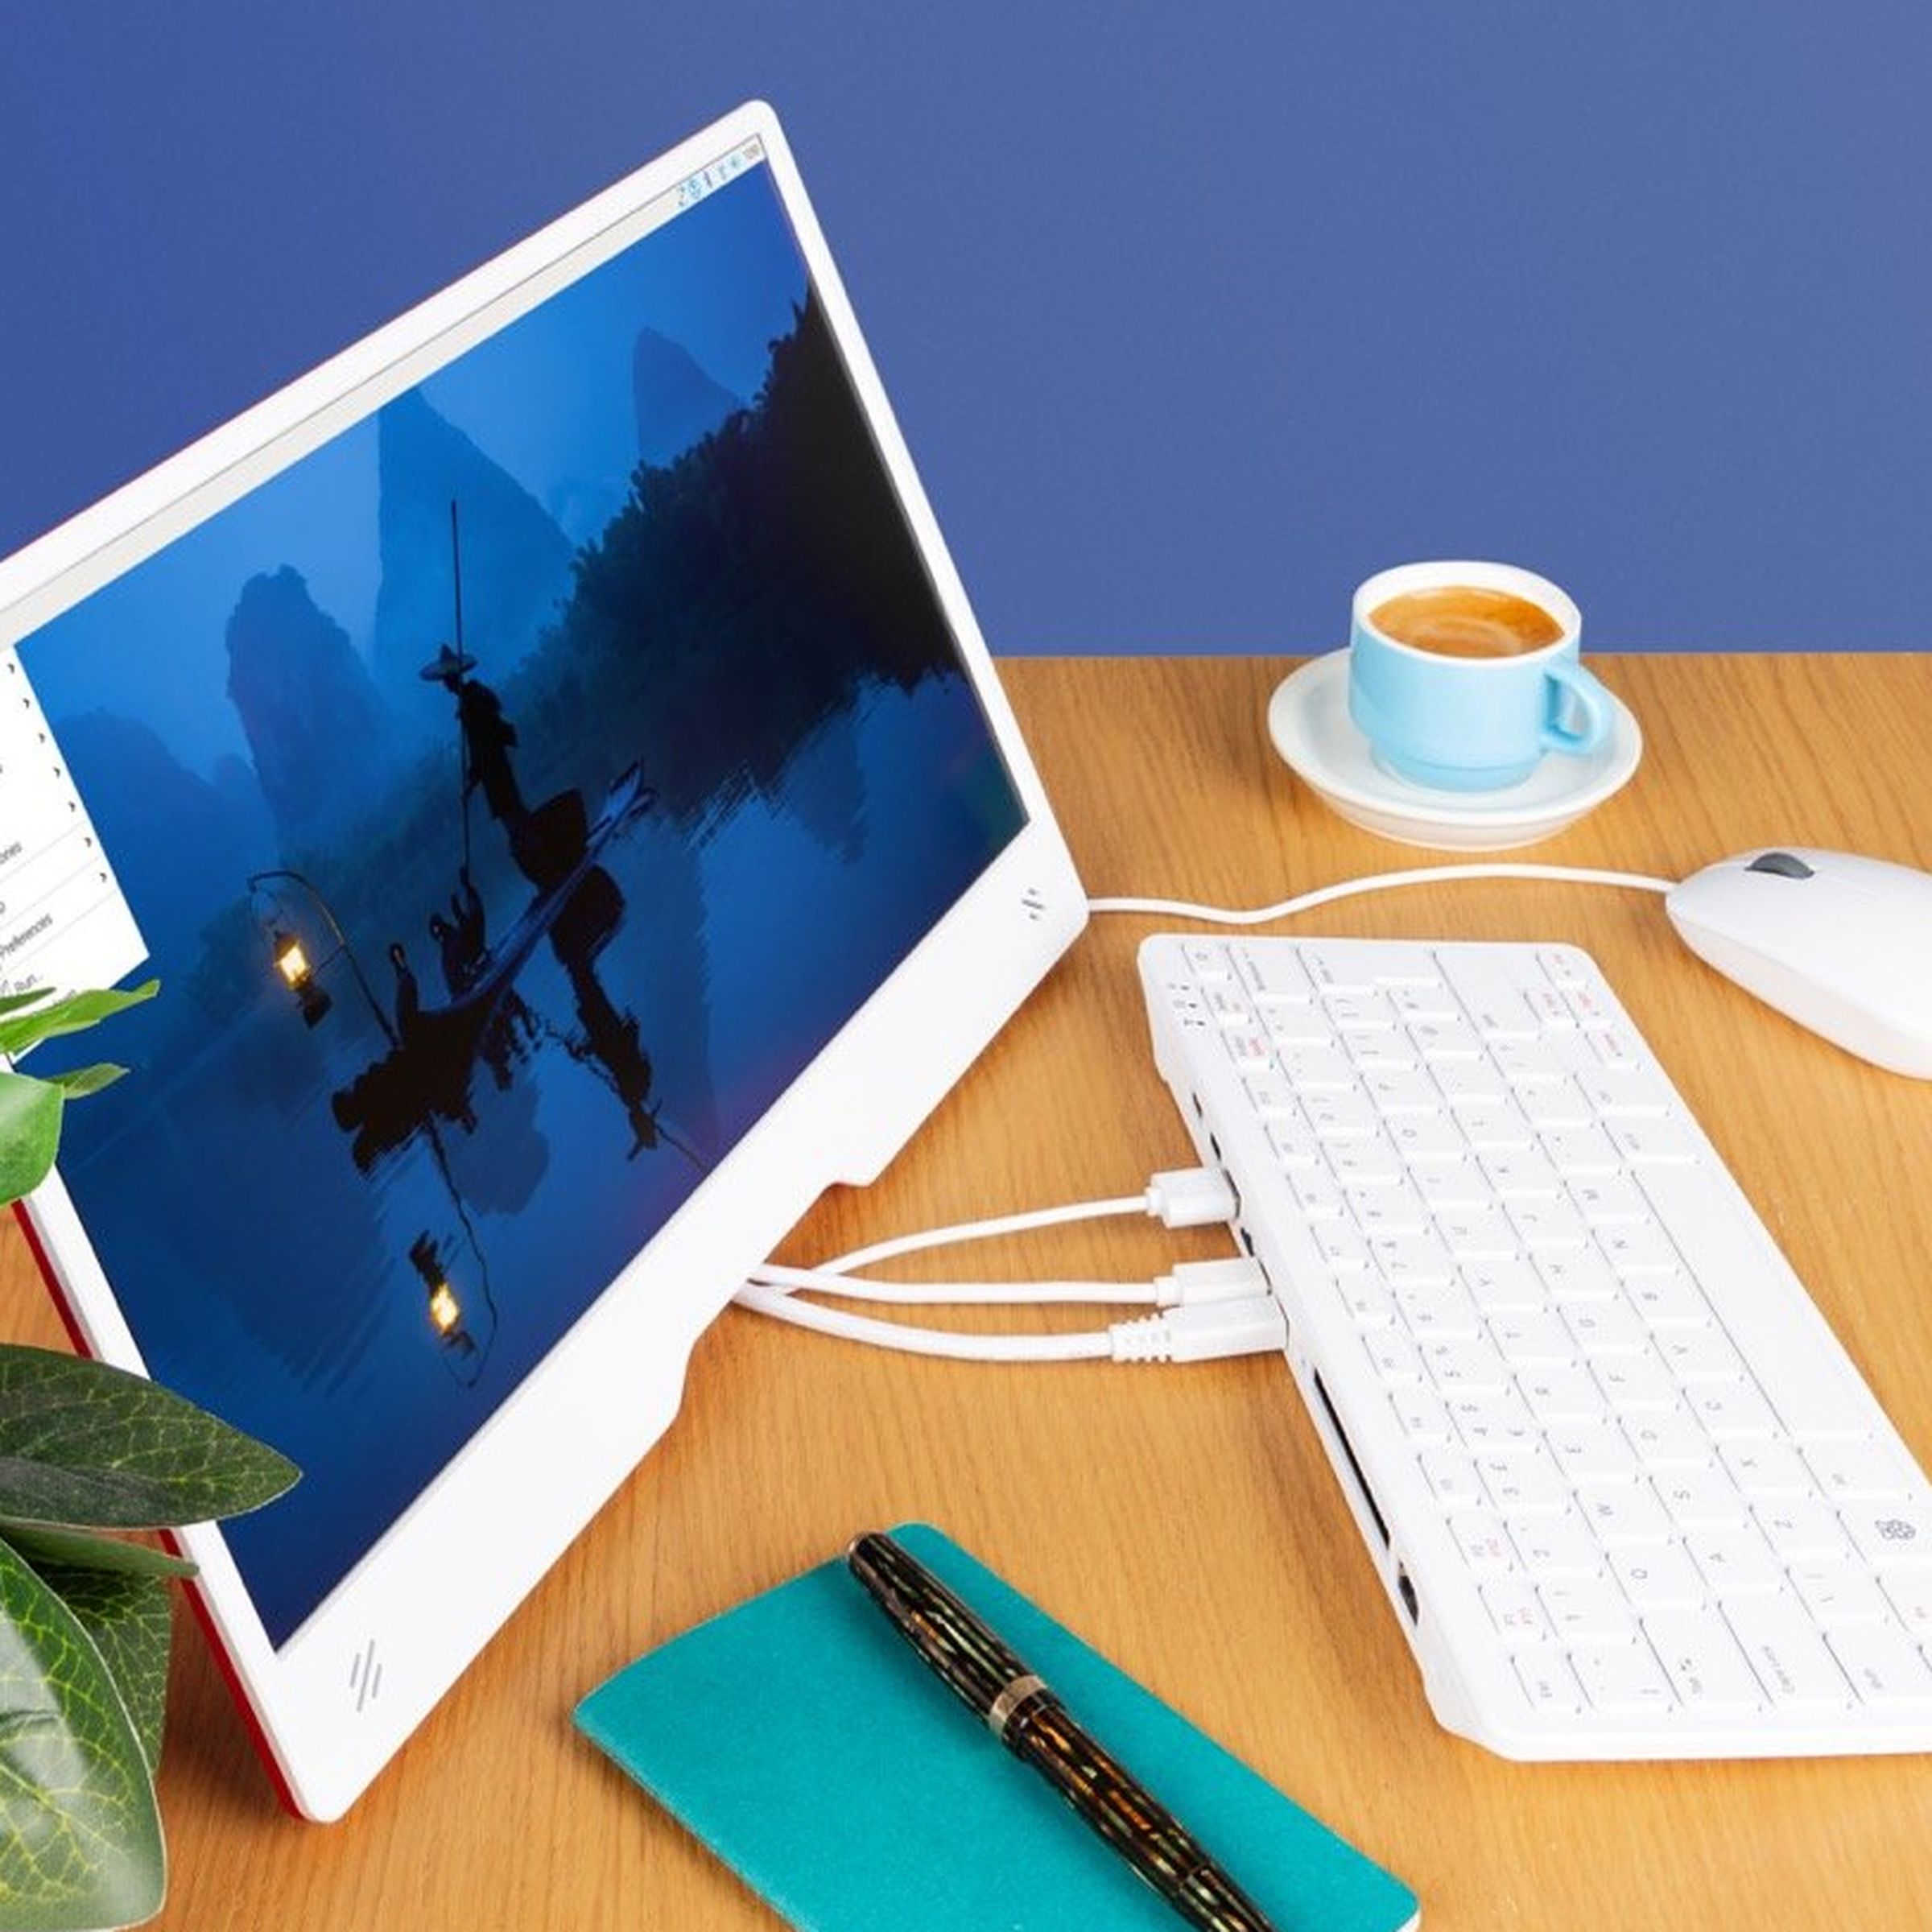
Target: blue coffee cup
x: 1470, y: 724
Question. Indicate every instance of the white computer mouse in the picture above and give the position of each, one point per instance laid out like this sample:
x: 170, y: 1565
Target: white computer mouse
x: 1842, y: 944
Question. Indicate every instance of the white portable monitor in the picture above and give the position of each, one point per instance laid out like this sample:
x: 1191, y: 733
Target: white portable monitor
x: 547, y: 758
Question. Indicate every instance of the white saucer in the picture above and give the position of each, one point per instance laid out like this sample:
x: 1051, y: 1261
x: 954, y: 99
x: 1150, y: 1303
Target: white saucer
x: 1308, y: 719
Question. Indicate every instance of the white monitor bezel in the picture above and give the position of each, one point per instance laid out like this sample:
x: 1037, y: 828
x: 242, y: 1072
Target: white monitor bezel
x: 502, y: 1512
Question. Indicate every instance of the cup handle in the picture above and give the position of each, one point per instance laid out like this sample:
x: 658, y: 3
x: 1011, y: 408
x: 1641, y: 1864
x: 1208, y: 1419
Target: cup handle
x: 1569, y: 679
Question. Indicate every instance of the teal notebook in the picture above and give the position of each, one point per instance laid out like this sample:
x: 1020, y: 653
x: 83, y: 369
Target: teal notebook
x: 804, y: 1741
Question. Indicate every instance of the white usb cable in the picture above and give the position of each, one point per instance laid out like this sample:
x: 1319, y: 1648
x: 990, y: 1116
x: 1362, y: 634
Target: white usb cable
x: 1384, y: 881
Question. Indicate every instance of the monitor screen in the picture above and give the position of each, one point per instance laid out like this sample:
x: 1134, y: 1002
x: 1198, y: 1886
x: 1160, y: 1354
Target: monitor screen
x: 513, y: 794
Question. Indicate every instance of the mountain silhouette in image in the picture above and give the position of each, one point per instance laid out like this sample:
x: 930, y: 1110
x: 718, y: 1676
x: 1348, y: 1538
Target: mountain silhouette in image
x: 185, y: 845
x: 314, y: 722
x: 516, y: 561
x: 676, y: 403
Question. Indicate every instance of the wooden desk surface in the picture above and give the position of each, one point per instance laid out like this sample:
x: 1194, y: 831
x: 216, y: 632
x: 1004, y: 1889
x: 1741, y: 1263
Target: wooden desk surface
x: 1184, y: 1519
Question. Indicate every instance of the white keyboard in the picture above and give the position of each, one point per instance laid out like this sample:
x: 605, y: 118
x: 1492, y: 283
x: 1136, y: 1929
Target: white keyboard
x: 1630, y: 1495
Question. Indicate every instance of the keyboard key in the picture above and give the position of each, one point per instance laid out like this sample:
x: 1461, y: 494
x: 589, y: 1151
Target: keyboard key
x: 1549, y: 1683
x: 1469, y: 1083
x: 1801, y: 1526
x: 1271, y: 1096
x: 1314, y: 1070
x: 1636, y: 1384
x: 1394, y: 1357
x: 1499, y: 1129
x: 1892, y: 1536
x: 1639, y: 1248
x: 1585, y: 1611
x: 1837, y: 1592
x: 1652, y: 1143
x: 1460, y: 1366
x: 1657, y: 1576
x: 1622, y: 1678
x: 1435, y: 1002
x: 1516, y: 1610
x: 1361, y: 965
x: 1607, y: 1328
x: 1522, y: 1173
x: 1315, y: 1193
x: 1491, y: 995
x: 1766, y: 1469
x: 1400, y: 1092
x: 1339, y: 1244
x: 1885, y: 1665
x: 1274, y: 974
x: 1554, y: 1546
x: 1615, y: 1046
x: 1359, y: 1013
x: 1451, y: 1478
x: 1228, y: 1005
x: 1430, y: 1141
x: 1298, y: 1026
x: 1523, y: 1485
x: 1442, y: 1041
x: 1293, y: 1141
x: 1621, y: 1093
x: 1487, y: 1423
x: 1578, y: 1275
x: 1497, y: 1286
x: 1207, y: 958
x: 1783, y: 1647
x: 1368, y: 1161
x: 1551, y: 1011
x: 1669, y: 1442
x: 1249, y: 1051
x: 1558, y: 1392
x: 1525, y: 1065
x: 1561, y: 1104
x: 1566, y: 966
x: 1706, y: 1669
x: 1911, y: 1598
x: 1421, y: 1416
x: 1406, y: 1257
x: 1392, y: 1209
x: 1369, y: 1304
x: 1732, y: 1412
x: 1439, y: 1311
x: 1859, y: 1472
x: 1735, y: 1559
x: 1545, y: 1226
x: 1620, y: 1514
x: 1477, y: 1234
x: 1594, y: 1451
x: 1582, y: 1150
x: 1454, y: 1183
x: 1342, y: 1114
x: 1485, y: 1545
x: 1533, y: 1337
x: 1605, y: 1200
x: 1701, y: 1498
x: 1673, y: 1304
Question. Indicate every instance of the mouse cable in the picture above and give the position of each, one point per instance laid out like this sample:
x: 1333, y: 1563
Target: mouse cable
x: 1384, y: 881
x: 1253, y: 1325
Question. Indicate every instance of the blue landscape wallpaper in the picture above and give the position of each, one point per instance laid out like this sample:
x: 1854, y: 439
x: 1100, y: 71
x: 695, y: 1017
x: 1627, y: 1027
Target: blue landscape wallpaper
x: 514, y: 795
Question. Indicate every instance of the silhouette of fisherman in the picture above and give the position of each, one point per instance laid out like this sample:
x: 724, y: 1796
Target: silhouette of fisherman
x: 460, y: 942
x: 409, y: 997
x: 488, y: 735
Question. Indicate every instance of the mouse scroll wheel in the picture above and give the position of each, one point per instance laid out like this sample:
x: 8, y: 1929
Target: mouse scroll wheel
x: 1784, y: 864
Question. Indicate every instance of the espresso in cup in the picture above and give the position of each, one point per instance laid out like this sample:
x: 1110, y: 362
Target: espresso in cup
x: 1463, y: 676
x: 1466, y: 620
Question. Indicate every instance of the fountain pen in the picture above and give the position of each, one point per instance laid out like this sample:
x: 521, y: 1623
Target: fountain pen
x: 1026, y: 1716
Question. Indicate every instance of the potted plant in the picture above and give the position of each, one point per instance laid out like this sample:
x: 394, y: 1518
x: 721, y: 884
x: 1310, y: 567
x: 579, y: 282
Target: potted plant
x: 87, y: 1453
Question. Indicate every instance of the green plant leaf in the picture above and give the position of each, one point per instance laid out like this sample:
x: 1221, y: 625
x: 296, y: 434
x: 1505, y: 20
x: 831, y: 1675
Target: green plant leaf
x: 30, y: 1132
x: 81, y: 1442
x: 12, y: 1002
x: 131, y: 1620
x: 41, y: 1545
x: 73, y: 1013
x: 82, y: 1081
x: 80, y: 1835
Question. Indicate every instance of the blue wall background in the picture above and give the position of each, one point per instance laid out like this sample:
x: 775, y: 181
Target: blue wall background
x: 1194, y: 315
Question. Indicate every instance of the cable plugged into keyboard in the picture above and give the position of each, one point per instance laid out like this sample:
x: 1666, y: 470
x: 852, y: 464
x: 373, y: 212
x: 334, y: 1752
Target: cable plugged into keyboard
x: 1209, y: 1331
